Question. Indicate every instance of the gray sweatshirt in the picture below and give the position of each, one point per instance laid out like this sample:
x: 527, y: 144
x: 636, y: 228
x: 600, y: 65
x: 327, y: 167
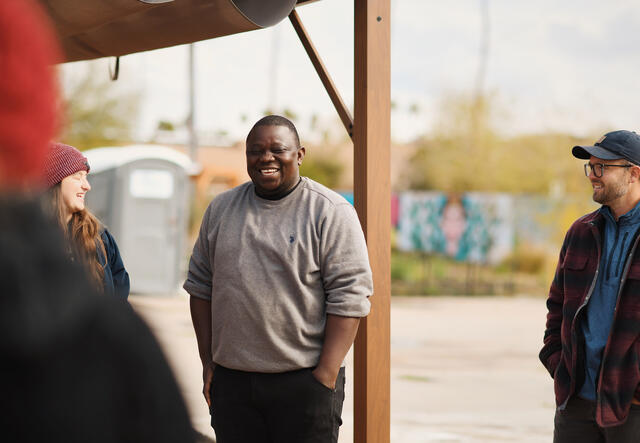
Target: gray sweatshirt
x: 273, y: 270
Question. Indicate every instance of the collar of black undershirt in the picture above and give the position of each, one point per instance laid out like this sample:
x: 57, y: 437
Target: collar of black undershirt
x: 285, y: 194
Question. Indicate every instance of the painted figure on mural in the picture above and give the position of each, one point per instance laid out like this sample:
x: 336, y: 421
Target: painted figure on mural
x: 453, y: 223
x: 459, y: 227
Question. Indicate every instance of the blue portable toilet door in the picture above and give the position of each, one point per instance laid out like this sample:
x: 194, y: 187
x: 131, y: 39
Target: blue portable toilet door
x: 150, y: 224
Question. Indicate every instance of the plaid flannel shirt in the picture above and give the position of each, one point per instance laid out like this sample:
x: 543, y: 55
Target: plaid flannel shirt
x: 563, y: 351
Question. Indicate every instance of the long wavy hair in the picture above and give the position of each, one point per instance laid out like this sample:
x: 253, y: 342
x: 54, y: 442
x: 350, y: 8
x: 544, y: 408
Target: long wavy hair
x: 82, y: 233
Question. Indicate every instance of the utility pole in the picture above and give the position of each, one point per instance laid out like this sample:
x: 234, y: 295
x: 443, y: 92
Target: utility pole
x: 191, y: 124
x: 273, y: 70
x: 483, y: 55
x: 479, y: 108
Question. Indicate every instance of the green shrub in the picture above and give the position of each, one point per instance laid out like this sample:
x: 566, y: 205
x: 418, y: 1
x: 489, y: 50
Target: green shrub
x: 527, y: 260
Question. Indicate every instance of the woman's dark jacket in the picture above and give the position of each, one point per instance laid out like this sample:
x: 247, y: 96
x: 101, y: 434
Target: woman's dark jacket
x: 116, y: 278
x: 563, y: 351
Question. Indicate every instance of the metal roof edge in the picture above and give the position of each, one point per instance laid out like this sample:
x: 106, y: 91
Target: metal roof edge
x: 109, y: 157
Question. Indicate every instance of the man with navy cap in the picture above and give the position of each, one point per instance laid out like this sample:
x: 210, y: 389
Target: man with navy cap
x: 592, y: 337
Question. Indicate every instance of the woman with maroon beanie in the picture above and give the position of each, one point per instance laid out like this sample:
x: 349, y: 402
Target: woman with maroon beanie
x: 89, y: 242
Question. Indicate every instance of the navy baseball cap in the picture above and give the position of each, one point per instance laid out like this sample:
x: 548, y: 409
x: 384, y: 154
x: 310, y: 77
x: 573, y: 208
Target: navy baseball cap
x: 612, y: 146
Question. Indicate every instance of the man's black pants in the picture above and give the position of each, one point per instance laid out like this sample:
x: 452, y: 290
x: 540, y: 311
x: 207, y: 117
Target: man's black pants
x: 289, y: 407
x: 577, y: 424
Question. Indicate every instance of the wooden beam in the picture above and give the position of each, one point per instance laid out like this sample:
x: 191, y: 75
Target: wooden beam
x: 372, y: 192
x: 325, y: 78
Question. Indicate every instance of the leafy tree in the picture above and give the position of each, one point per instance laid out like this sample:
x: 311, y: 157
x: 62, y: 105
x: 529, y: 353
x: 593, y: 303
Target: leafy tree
x: 165, y: 125
x: 325, y: 169
x: 466, y: 153
x: 290, y: 114
x: 95, y: 114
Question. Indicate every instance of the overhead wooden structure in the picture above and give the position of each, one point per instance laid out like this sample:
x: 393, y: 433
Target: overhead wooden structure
x: 91, y: 29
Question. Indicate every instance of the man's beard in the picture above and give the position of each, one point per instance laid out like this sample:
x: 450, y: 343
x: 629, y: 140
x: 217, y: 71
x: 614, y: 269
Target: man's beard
x: 609, y: 193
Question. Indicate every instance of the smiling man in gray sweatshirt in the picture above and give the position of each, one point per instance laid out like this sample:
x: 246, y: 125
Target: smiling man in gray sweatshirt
x: 279, y: 279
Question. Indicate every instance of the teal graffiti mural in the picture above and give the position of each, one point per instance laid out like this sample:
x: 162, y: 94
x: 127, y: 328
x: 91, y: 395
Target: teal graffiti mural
x: 471, y: 227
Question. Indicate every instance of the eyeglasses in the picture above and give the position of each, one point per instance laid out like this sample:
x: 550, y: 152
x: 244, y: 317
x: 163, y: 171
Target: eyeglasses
x: 598, y: 168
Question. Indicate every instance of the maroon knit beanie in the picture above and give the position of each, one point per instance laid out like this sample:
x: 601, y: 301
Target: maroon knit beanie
x: 61, y: 161
x: 28, y: 92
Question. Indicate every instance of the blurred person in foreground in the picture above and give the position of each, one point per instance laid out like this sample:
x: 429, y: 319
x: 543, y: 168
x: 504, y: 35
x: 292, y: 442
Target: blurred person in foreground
x: 90, y: 243
x: 279, y: 279
x: 592, y: 338
x: 76, y: 366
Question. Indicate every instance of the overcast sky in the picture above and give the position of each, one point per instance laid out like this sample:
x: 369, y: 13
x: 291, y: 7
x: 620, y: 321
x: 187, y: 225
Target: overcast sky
x: 570, y: 66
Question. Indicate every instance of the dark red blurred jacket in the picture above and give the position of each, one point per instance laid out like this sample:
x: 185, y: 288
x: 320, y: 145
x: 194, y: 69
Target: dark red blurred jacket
x: 563, y: 350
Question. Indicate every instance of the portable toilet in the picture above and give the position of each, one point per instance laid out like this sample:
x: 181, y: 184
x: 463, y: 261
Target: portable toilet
x: 142, y: 195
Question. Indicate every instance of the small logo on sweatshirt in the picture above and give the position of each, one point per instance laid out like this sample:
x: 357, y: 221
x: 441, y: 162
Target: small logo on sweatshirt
x: 292, y: 238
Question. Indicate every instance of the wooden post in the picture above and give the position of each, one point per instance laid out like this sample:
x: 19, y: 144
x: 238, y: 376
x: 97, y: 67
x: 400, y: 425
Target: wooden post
x: 372, y: 192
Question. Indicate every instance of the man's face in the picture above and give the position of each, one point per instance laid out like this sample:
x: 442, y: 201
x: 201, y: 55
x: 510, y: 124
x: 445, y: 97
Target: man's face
x: 613, y: 184
x: 273, y: 160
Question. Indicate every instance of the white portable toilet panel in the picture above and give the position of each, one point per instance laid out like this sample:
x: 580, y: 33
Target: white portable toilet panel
x: 153, y: 214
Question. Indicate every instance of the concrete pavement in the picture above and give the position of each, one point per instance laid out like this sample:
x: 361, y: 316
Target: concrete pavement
x: 463, y: 369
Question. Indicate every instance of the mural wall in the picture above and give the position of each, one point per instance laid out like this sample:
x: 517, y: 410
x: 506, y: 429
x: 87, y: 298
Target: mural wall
x: 471, y: 227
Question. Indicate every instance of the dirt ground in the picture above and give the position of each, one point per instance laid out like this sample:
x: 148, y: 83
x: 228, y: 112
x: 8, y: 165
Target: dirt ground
x: 463, y: 369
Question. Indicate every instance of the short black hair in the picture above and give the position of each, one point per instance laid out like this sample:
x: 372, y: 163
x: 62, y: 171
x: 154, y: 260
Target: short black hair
x: 277, y: 120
